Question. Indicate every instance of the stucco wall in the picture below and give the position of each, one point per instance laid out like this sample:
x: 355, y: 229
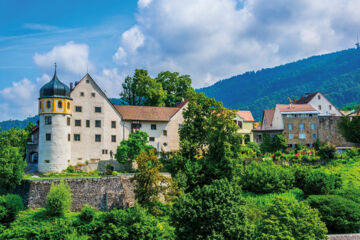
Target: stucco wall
x: 324, y: 103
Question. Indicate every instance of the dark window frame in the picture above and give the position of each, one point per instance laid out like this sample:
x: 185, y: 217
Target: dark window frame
x: 78, y: 108
x: 97, y: 137
x: 96, y: 123
x: 77, y: 122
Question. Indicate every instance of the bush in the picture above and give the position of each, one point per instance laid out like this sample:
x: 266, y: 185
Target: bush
x: 87, y: 214
x: 318, y: 182
x: 58, y: 200
x: 327, y: 151
x: 266, y: 177
x: 286, y: 219
x: 340, y: 214
x: 10, y: 205
x: 215, y: 211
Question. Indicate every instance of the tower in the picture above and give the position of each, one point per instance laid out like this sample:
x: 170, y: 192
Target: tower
x: 55, y: 110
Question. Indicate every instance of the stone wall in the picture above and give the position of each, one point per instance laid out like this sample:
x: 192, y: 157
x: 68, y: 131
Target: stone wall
x: 344, y: 237
x: 102, y: 193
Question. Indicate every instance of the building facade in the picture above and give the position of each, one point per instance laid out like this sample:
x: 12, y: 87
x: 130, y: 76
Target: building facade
x: 245, y: 121
x: 80, y: 124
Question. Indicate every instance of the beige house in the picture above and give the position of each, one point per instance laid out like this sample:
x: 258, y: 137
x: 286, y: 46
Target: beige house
x: 245, y: 121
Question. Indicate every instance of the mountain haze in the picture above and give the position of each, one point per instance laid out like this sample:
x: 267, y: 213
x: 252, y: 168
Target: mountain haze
x: 336, y: 74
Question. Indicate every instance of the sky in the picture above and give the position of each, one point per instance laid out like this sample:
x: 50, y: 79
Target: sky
x: 207, y: 39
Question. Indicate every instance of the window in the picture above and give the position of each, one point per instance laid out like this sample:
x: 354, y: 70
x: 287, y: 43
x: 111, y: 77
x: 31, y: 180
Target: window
x: 153, y: 126
x: 239, y: 123
x: 76, y: 137
x: 314, y: 136
x: 180, y: 126
x: 104, y: 151
x: 301, y: 126
x: 165, y: 144
x: 78, y: 109
x: 290, y: 126
x: 87, y: 123
x: 319, y: 96
x: 39, y: 106
x: 68, y: 121
x: 113, y: 124
x: 59, y: 104
x: 48, y: 137
x: 68, y: 105
x: 48, y: 104
x: 93, y: 94
x: 291, y: 136
x: 151, y: 139
x: 113, y: 138
x: 87, y: 80
x: 98, y: 109
x: 98, y: 123
x: 69, y: 137
x: 319, y: 107
x: 313, y: 126
x: 302, y: 136
x: 77, y: 123
x: 165, y: 132
x: 97, y: 138
x: 47, y: 120
x: 329, y: 107
x: 81, y: 94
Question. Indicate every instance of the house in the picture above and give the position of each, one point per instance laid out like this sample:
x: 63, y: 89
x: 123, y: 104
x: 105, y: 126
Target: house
x: 320, y: 103
x: 245, y: 121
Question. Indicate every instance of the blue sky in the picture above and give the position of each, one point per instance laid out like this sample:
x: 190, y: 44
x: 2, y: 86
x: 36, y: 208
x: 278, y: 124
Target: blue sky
x: 208, y: 39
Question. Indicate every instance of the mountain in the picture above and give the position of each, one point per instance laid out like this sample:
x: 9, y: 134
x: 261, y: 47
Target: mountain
x: 336, y: 74
x: 5, y: 125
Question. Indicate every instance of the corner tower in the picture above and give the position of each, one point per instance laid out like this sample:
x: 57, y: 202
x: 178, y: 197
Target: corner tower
x: 55, y: 110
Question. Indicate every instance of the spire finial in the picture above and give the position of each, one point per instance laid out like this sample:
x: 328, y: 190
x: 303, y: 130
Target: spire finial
x: 357, y: 44
x: 55, y: 67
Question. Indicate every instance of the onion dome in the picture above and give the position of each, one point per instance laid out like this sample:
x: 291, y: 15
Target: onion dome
x: 55, y: 88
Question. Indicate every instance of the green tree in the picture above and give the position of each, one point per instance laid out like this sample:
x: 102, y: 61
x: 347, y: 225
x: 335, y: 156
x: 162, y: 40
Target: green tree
x: 286, y: 219
x: 318, y: 182
x: 271, y: 145
x: 58, y: 200
x: 176, y: 86
x: 10, y: 205
x: 150, y: 183
x: 350, y: 128
x: 129, y: 149
x: 215, y: 211
x: 141, y: 89
x: 12, y: 167
x: 16, y: 137
x: 341, y: 215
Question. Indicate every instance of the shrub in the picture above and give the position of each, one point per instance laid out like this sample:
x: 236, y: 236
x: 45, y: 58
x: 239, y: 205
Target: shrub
x: 87, y: 214
x: 327, y: 151
x: 318, y: 182
x: 215, y: 211
x: 109, y: 169
x: 286, y: 219
x: 58, y: 200
x: 341, y: 215
x: 10, y: 205
x: 70, y: 169
x: 266, y: 177
x: 12, y: 167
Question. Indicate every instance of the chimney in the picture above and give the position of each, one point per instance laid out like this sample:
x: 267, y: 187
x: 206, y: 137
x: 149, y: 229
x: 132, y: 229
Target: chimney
x: 71, y: 86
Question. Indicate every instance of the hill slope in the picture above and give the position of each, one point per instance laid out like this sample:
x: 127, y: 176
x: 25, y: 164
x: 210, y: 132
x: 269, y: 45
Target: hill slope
x: 335, y: 74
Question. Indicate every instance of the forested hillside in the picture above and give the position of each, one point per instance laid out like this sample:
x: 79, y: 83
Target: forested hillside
x: 336, y: 74
x: 6, y: 125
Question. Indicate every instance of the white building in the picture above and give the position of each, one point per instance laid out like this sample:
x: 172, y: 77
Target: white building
x: 320, y: 103
x: 81, y: 125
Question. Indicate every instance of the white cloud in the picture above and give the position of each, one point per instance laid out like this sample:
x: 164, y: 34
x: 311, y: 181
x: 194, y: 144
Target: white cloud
x: 72, y: 57
x: 214, y: 39
x: 40, y: 27
x: 110, y: 81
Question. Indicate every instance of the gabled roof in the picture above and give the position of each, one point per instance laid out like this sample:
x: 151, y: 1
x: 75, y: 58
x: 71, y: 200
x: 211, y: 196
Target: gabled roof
x: 246, y: 115
x: 295, y: 108
x: 147, y: 113
x: 306, y: 99
x: 268, y: 116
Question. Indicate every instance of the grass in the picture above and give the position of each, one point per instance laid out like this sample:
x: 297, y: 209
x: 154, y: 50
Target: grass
x: 349, y: 171
x: 93, y: 174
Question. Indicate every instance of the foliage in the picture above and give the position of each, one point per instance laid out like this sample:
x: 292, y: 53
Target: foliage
x: 215, y: 211
x: 266, y: 177
x: 129, y: 149
x: 341, y: 215
x: 10, y: 205
x: 16, y: 137
x: 269, y: 144
x: 58, y: 200
x: 286, y: 219
x: 87, y: 214
x: 350, y: 128
x: 327, y: 151
x: 337, y: 73
x: 296, y: 156
x: 150, y: 183
x: 12, y: 167
x: 318, y: 182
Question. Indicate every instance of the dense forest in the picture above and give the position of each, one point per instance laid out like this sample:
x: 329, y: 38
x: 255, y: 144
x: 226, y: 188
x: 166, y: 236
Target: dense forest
x: 336, y: 74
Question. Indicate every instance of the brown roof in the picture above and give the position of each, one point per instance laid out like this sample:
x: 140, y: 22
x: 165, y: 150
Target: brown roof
x: 295, y: 107
x: 246, y: 115
x: 306, y: 99
x: 267, y: 118
x: 146, y: 113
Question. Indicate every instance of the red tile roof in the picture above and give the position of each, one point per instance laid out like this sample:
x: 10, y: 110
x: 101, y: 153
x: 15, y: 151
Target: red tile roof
x: 146, y: 113
x: 267, y: 118
x: 306, y: 99
x: 295, y: 107
x: 246, y: 115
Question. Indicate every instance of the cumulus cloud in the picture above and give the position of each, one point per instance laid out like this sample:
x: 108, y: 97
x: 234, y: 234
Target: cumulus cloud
x: 213, y: 39
x: 72, y: 57
x: 110, y: 81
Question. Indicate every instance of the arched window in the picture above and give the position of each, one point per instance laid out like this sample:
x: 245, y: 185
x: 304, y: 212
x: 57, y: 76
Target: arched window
x: 59, y: 104
x: 39, y: 106
x: 68, y: 105
x: 48, y: 104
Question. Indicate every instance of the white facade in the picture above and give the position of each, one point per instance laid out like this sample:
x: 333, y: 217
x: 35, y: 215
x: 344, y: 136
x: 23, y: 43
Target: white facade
x: 324, y: 106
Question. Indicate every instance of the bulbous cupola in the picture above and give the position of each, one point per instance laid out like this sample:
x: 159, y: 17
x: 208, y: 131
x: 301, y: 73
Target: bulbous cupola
x: 55, y: 88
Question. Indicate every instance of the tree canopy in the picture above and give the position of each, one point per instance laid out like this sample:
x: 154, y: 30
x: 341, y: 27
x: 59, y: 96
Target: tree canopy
x: 350, y: 129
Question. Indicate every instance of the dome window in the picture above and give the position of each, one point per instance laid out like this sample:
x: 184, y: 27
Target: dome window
x: 48, y: 104
x: 68, y: 105
x: 59, y: 104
